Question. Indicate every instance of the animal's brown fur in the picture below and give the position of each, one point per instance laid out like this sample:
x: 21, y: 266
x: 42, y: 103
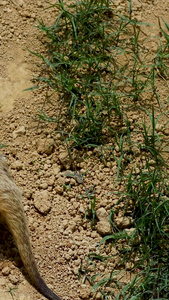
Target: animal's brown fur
x: 11, y: 210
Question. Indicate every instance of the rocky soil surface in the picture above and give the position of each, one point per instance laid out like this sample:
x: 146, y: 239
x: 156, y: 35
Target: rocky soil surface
x: 40, y: 165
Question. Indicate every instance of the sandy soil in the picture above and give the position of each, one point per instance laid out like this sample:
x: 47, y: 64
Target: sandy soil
x: 60, y: 236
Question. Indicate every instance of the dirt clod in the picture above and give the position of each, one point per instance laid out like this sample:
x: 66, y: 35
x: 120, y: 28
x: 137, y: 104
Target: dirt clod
x: 103, y: 227
x: 19, y: 132
x: 65, y: 160
x: 6, y: 271
x: 42, y: 202
x: 45, y: 146
x: 123, y: 222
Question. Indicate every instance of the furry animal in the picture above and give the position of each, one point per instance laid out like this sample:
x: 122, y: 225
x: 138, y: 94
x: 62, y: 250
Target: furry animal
x: 11, y: 210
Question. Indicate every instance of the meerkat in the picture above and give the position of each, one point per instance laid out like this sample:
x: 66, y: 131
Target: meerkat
x: 11, y: 211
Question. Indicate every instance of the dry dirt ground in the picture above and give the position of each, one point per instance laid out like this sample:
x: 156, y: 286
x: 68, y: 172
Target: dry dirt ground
x: 60, y: 236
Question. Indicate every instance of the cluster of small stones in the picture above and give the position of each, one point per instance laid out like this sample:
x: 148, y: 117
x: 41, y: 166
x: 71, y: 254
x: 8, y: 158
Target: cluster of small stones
x: 42, y: 168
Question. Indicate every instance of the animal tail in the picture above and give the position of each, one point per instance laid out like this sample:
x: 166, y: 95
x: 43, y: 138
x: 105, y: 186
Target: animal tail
x: 16, y: 221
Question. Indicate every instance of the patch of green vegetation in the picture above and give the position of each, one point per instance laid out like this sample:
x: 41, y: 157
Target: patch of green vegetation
x: 3, y: 146
x: 145, y: 200
x: 96, y: 63
x: 11, y: 291
x: 161, y: 61
x: 90, y: 212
